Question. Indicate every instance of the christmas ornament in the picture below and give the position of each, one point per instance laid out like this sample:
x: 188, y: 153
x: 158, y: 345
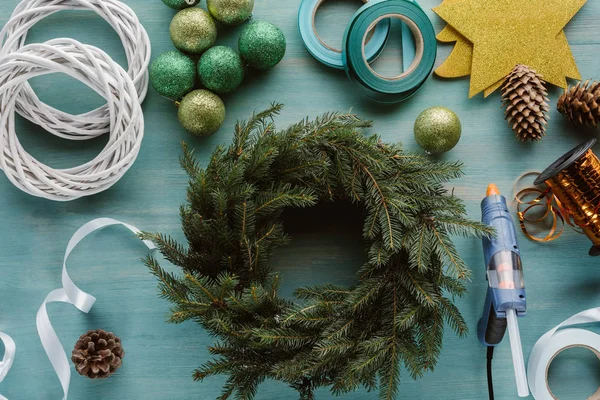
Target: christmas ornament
x: 135, y: 43
x: 97, y: 354
x: 193, y: 30
x: 525, y: 98
x: 230, y: 12
x: 437, y: 130
x: 395, y: 313
x: 262, y: 45
x: 173, y: 74
x: 180, y: 4
x: 580, y: 103
x: 221, y: 69
x: 97, y: 70
x: 201, y: 112
x: 502, y: 38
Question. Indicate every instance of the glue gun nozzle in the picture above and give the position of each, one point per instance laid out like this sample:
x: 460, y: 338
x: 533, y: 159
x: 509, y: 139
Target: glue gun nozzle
x: 492, y: 190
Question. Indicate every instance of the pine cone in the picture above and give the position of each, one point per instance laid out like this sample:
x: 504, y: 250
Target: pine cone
x: 526, y: 100
x: 97, y: 354
x: 580, y: 103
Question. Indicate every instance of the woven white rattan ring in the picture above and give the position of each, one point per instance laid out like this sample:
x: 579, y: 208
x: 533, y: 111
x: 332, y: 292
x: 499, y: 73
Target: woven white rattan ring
x: 137, y: 49
x: 97, y: 70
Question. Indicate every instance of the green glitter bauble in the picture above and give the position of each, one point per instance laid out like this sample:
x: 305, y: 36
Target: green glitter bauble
x: 221, y: 69
x: 181, y: 4
x: 437, y: 130
x: 230, y: 12
x: 193, y: 30
x: 201, y: 112
x: 262, y: 45
x: 173, y: 74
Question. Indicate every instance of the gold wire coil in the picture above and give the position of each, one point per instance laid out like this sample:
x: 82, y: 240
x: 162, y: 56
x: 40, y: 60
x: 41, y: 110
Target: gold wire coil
x: 572, y: 197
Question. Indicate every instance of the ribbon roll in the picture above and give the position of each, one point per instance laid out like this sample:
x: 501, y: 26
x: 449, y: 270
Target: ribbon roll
x: 10, y: 349
x: 70, y: 294
x: 556, y: 341
x: 327, y: 54
x: 403, y: 86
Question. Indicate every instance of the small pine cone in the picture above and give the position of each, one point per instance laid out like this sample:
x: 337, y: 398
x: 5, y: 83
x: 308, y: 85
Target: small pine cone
x: 97, y: 354
x: 581, y: 104
x: 526, y: 100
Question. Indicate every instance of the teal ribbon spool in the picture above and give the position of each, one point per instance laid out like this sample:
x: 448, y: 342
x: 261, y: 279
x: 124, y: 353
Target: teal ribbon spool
x: 377, y: 87
x: 327, y: 54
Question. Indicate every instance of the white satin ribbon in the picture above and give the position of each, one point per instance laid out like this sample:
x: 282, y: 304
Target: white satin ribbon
x: 554, y: 342
x: 70, y: 294
x: 10, y: 349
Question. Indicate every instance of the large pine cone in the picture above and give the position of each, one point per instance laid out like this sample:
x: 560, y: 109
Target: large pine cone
x: 97, y: 354
x: 580, y: 103
x: 526, y: 100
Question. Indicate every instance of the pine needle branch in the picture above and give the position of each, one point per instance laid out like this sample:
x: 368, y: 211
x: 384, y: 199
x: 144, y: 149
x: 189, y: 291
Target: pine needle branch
x: 338, y: 337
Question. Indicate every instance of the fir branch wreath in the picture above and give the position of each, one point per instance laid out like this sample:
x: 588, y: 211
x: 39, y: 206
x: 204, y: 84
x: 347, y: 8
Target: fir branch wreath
x: 339, y: 337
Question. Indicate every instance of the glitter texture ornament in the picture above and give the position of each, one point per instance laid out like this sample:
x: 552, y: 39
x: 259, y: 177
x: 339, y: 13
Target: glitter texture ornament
x: 230, y: 12
x: 201, y: 112
x: 193, y: 30
x: 181, y: 4
x: 510, y: 32
x: 437, y: 130
x: 262, y: 45
x: 173, y: 74
x: 221, y: 69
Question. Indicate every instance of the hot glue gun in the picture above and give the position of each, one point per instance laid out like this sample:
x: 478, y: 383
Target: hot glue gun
x: 505, y: 300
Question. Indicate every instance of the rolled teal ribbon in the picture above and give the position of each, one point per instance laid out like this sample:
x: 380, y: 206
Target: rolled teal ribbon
x: 403, y: 86
x: 326, y: 54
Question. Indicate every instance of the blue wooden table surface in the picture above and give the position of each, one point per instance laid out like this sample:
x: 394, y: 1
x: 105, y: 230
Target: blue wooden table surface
x: 561, y: 278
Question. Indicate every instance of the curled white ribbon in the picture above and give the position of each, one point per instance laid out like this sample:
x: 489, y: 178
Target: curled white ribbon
x: 555, y: 341
x: 10, y: 349
x: 70, y: 294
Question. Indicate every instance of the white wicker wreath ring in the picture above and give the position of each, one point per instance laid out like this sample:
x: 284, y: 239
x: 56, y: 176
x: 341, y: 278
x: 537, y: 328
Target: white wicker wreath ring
x: 97, y: 70
x: 137, y: 49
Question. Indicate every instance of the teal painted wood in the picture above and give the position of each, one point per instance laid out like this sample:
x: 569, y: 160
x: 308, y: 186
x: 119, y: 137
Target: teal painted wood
x: 561, y: 279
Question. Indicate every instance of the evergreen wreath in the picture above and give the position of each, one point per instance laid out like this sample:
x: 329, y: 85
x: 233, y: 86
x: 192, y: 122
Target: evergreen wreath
x: 339, y: 337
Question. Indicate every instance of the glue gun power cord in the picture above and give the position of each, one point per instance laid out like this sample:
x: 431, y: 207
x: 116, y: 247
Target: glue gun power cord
x: 490, y: 357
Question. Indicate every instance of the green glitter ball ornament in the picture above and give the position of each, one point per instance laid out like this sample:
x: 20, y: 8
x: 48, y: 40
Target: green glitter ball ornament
x: 193, y: 30
x: 230, y: 12
x: 181, y: 4
x: 221, y: 69
x: 173, y: 74
x: 262, y: 45
x: 437, y: 130
x: 201, y: 112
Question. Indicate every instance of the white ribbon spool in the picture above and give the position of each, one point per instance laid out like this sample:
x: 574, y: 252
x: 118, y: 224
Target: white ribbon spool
x: 137, y: 49
x: 553, y: 343
x: 96, y: 69
x: 70, y: 294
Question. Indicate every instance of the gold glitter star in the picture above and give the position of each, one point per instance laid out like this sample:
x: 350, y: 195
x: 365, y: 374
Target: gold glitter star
x: 505, y: 33
x: 459, y: 62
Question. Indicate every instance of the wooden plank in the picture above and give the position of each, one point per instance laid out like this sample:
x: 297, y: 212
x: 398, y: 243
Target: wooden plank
x: 561, y: 279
